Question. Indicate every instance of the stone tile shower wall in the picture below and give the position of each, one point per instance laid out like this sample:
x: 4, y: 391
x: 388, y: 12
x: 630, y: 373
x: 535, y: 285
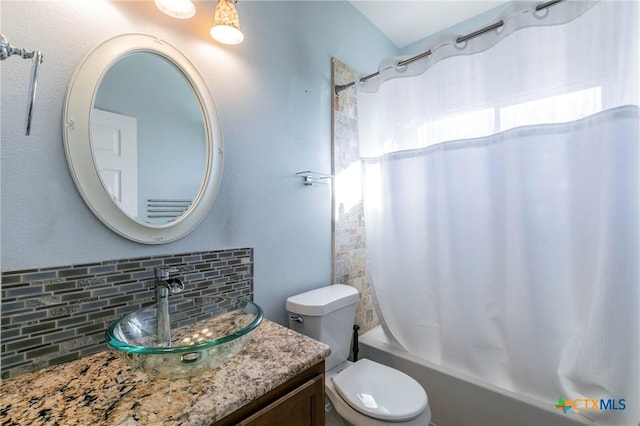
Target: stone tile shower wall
x: 54, y: 315
x: 350, y: 257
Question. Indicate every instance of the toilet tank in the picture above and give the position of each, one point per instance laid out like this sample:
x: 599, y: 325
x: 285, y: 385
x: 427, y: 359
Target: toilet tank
x: 326, y: 314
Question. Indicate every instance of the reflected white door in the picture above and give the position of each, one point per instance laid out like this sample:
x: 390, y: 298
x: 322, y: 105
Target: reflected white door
x: 114, y: 140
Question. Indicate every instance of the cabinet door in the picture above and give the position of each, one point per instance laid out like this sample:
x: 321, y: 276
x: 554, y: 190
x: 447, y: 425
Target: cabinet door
x: 303, y: 406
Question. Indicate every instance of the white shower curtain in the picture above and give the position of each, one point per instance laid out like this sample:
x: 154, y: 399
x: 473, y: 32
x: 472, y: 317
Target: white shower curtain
x: 501, y: 195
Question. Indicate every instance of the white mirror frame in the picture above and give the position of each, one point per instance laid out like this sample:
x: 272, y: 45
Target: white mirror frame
x: 80, y: 99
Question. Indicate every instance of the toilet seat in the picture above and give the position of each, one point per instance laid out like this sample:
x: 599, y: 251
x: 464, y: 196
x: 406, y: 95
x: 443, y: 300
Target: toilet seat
x: 380, y: 392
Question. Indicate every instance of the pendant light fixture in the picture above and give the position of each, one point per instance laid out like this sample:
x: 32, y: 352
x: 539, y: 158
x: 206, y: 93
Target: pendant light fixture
x: 181, y: 9
x: 226, y: 24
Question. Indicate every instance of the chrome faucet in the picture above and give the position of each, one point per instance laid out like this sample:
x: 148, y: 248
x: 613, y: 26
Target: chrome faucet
x: 165, y: 286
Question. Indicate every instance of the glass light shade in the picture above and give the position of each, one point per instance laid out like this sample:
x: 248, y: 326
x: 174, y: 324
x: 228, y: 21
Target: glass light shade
x: 181, y: 9
x: 226, y: 24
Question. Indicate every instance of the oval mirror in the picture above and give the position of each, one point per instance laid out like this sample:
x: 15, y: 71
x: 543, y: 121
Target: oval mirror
x: 143, y: 139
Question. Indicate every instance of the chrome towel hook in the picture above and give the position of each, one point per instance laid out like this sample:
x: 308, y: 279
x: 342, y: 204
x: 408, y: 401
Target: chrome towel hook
x: 6, y: 51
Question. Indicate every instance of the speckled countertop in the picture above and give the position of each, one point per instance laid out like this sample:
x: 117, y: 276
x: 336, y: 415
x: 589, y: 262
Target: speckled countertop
x: 102, y: 390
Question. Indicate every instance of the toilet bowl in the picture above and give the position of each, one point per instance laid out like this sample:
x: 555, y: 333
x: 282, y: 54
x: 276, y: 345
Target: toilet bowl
x: 363, y: 393
x: 366, y: 393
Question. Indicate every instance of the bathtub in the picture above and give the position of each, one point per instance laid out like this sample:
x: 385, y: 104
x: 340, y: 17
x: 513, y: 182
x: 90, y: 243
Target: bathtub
x: 459, y: 400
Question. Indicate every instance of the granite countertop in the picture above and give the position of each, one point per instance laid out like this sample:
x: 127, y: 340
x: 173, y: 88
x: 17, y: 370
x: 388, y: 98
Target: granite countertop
x: 101, y: 390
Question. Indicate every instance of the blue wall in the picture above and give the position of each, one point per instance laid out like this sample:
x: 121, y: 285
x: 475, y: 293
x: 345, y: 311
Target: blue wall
x: 274, y: 99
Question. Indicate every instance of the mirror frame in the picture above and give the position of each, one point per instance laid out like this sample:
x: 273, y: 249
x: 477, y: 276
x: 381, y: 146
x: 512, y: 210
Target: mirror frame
x: 79, y: 102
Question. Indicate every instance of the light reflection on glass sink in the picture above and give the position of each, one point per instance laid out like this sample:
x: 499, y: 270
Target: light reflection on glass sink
x: 205, y: 332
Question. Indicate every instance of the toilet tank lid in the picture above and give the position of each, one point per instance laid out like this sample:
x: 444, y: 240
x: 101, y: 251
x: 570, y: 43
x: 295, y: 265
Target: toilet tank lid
x: 322, y: 300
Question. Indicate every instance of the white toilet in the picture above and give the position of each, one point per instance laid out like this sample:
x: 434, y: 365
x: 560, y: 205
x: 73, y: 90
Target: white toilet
x: 364, y: 393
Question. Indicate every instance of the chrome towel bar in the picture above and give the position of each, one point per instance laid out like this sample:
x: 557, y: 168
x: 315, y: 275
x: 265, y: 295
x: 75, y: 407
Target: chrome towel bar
x: 6, y: 51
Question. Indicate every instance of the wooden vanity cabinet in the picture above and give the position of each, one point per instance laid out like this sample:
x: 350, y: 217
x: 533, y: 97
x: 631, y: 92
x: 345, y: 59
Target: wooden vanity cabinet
x: 297, y: 402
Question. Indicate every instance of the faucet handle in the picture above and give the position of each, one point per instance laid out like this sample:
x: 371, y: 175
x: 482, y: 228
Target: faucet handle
x: 175, y: 285
x: 164, y: 272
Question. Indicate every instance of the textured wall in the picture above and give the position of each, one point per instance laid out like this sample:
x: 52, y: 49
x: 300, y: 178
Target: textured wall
x: 274, y: 98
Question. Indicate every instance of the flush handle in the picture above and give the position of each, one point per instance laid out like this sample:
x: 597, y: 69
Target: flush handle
x: 297, y: 318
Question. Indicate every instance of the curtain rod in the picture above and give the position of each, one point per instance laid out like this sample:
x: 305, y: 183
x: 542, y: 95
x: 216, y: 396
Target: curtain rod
x: 339, y: 88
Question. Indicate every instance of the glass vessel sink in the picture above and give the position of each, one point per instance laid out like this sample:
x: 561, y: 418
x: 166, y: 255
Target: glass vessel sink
x: 204, y: 333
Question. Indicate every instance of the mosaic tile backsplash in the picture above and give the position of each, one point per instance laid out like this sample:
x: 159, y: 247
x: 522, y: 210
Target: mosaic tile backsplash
x: 54, y: 315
